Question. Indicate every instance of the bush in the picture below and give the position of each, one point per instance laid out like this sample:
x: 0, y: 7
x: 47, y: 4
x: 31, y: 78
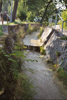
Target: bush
x: 1, y: 33
x: 42, y: 51
x: 31, y: 29
x: 58, y: 53
x: 41, y: 31
x: 49, y: 61
x: 13, y: 84
x: 62, y: 75
x: 55, y: 67
x: 64, y: 16
x: 30, y: 16
x: 64, y: 38
x: 22, y: 16
x: 45, y: 23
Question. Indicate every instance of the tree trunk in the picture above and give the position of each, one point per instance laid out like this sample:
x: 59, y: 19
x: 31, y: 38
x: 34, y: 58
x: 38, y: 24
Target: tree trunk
x: 0, y: 5
x: 14, y: 10
x: 44, y: 15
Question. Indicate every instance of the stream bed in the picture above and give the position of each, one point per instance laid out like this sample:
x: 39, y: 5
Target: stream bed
x: 42, y: 78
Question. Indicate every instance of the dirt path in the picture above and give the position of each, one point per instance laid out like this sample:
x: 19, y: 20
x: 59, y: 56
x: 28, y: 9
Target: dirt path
x: 42, y: 78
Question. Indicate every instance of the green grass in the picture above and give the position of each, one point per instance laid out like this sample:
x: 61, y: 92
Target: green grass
x: 20, y: 22
x: 1, y: 33
x: 64, y: 26
x: 41, y: 31
x: 42, y: 51
x: 62, y: 75
x: 31, y: 29
x: 64, y: 38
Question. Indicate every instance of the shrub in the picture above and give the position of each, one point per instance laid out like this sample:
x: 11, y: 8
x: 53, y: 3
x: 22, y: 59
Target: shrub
x: 1, y: 33
x: 30, y: 16
x: 45, y: 23
x: 10, y: 73
x: 31, y: 29
x: 58, y: 53
x: 41, y: 31
x: 49, y: 61
x: 62, y: 75
x: 42, y: 51
x: 55, y: 67
x: 64, y: 38
x: 64, y: 16
x: 22, y: 16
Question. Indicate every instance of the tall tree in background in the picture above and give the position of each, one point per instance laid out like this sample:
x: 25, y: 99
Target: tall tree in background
x: 15, y: 10
x: 65, y: 3
x: 45, y: 11
x: 0, y: 5
x: 42, y: 8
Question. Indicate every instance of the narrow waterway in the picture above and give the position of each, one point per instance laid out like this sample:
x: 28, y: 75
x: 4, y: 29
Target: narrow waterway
x: 42, y: 78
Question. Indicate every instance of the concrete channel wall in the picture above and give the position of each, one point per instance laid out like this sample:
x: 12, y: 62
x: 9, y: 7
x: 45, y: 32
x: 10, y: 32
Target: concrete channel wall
x: 14, y: 28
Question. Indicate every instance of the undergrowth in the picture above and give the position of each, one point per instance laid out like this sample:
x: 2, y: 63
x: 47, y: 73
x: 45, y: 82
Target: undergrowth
x: 64, y: 38
x: 62, y: 75
x: 60, y: 72
x: 31, y: 29
x: 14, y: 84
x: 1, y: 33
x: 42, y: 51
x: 41, y: 31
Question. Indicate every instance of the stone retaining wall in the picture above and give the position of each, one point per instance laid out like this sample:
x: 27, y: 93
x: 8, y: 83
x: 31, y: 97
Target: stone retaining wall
x: 14, y: 28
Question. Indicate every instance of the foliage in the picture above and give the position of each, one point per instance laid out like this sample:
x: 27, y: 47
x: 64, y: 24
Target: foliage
x: 31, y: 29
x: 58, y: 53
x: 42, y: 51
x: 55, y: 67
x: 65, y: 3
x: 45, y: 24
x: 8, y: 73
x: 24, y: 87
x: 10, y: 68
x: 14, y: 83
x: 30, y: 16
x: 64, y: 16
x: 22, y: 16
x: 62, y: 75
x: 64, y: 38
x: 29, y: 6
x: 49, y: 61
x: 41, y: 31
x: 1, y: 33
x: 22, y: 10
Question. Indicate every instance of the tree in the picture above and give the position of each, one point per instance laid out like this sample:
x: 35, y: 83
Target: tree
x: 45, y: 11
x: 42, y: 8
x: 65, y: 3
x: 0, y: 5
x: 14, y: 10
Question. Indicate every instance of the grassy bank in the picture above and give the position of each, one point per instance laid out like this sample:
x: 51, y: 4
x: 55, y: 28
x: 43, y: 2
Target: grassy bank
x: 60, y: 73
x: 1, y: 33
x: 14, y: 84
